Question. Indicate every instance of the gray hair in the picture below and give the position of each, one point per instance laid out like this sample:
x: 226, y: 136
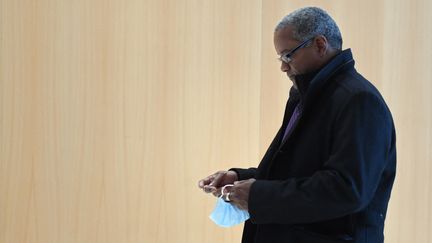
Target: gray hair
x: 312, y: 21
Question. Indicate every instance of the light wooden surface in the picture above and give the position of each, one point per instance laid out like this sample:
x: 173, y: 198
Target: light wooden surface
x: 111, y: 111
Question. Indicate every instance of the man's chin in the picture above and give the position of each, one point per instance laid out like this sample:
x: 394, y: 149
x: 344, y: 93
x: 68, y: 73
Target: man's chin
x: 294, y: 84
x: 292, y: 78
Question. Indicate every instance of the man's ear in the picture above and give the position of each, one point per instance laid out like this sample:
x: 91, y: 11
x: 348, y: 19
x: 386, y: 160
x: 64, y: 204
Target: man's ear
x: 322, y: 45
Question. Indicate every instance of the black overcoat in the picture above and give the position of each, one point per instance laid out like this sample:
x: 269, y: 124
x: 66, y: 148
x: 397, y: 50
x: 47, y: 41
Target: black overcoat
x: 330, y: 180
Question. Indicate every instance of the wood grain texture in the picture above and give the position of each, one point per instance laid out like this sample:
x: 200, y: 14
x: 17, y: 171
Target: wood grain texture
x: 111, y: 111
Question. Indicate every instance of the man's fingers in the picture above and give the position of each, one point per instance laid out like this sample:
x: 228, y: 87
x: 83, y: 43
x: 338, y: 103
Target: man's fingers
x: 216, y: 180
x: 209, y: 189
x: 217, y: 192
x: 213, y: 183
x: 206, y: 181
x: 203, y: 183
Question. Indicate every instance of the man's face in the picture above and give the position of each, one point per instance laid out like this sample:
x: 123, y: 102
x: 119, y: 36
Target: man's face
x: 304, y: 60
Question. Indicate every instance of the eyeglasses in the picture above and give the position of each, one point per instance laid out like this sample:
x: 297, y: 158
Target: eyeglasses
x: 287, y: 57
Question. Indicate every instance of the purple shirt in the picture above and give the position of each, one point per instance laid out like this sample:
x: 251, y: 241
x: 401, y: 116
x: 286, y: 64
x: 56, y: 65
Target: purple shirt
x: 292, y: 120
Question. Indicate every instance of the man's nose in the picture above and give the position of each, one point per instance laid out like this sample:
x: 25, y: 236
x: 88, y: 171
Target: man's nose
x: 285, y: 67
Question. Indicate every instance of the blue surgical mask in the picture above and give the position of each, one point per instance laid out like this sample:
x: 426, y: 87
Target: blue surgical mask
x: 226, y: 214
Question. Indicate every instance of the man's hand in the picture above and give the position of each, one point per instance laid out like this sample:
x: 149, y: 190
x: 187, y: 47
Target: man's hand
x: 214, y: 183
x: 239, y: 193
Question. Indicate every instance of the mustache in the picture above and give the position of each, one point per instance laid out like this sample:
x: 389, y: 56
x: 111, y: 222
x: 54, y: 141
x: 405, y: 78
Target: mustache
x: 291, y: 76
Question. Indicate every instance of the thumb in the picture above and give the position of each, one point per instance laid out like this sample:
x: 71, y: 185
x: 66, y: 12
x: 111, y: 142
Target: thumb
x: 238, y: 182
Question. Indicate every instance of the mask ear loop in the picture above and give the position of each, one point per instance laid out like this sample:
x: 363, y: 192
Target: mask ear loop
x: 223, y: 189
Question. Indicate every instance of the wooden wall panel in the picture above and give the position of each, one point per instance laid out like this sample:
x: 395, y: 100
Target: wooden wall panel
x: 111, y: 111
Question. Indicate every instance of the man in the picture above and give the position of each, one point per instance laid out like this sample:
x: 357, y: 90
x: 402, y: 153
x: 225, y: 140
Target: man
x: 328, y: 173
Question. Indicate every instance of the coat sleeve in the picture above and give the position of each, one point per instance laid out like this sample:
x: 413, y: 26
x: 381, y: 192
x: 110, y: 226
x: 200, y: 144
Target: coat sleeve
x: 244, y: 174
x: 346, y: 182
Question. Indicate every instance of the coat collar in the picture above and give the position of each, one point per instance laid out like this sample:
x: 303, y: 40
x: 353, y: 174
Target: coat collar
x: 308, y: 89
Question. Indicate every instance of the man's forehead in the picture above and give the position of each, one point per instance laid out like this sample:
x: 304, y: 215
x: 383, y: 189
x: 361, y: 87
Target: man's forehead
x: 283, y: 40
x: 285, y: 32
